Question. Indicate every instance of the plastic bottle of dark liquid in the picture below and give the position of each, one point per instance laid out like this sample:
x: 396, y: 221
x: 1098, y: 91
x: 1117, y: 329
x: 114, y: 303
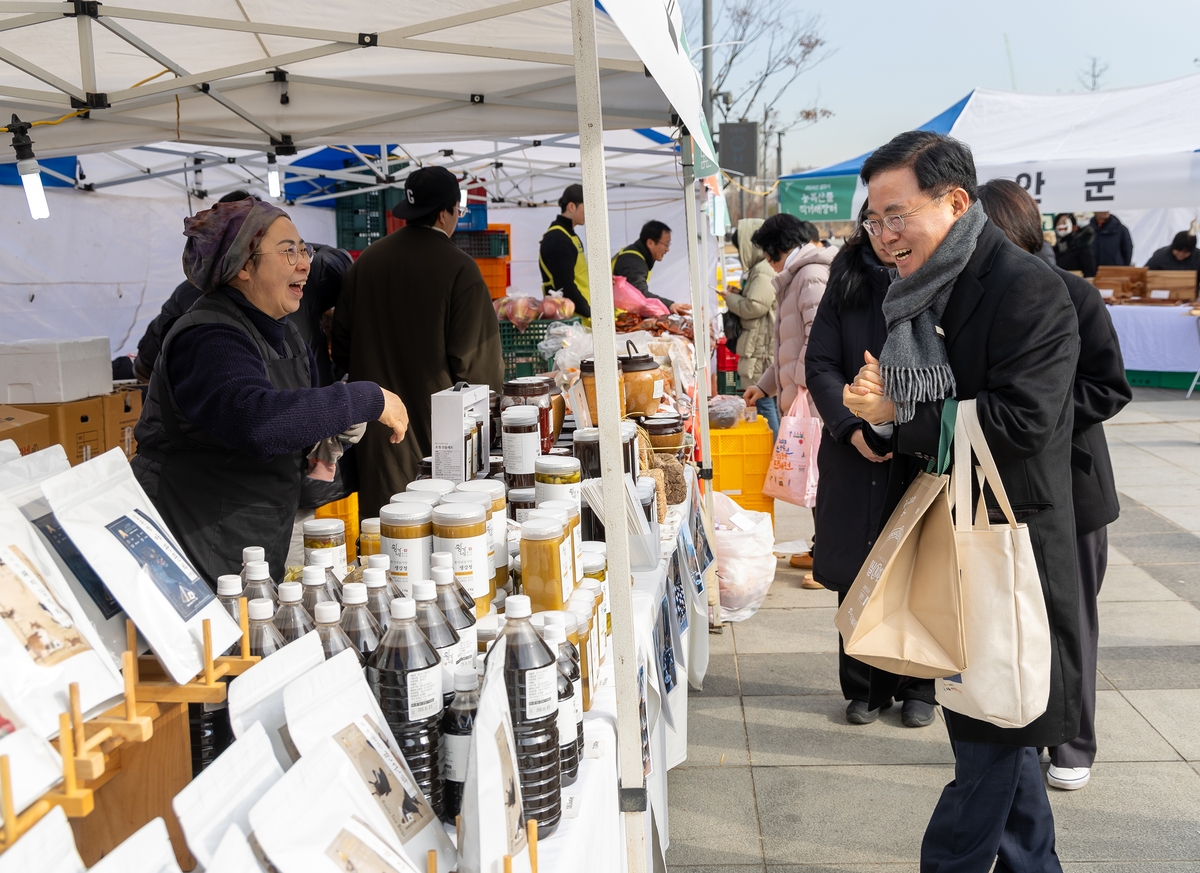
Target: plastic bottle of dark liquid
x: 358, y: 623
x: 315, y: 588
x: 460, y: 618
x: 258, y: 582
x: 406, y: 677
x: 458, y: 721
x: 570, y: 706
x: 333, y: 638
x: 384, y: 563
x: 442, y: 636
x: 446, y: 560
x: 333, y: 584
x: 379, y: 597
x: 531, y: 678
x: 291, y: 619
x: 264, y: 638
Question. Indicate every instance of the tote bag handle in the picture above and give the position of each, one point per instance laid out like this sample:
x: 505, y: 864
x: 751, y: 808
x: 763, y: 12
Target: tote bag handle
x: 968, y: 435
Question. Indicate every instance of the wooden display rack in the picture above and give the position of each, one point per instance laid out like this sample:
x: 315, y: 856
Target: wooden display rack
x: 126, y: 764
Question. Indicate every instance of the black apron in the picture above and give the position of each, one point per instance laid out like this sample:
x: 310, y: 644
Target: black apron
x: 214, y: 498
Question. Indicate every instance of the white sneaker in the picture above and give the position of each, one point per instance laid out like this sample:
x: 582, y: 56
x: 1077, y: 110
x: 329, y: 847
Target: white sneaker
x: 1068, y: 778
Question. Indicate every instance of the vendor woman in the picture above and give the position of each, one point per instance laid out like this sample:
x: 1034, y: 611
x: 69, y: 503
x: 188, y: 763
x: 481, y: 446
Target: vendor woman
x: 232, y: 411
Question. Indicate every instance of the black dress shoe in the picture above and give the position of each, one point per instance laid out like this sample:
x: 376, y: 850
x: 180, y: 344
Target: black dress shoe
x: 916, y: 713
x: 857, y: 713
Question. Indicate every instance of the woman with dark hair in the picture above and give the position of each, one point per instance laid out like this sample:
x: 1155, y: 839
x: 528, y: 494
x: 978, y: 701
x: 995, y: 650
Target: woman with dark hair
x: 1073, y: 251
x: 853, y: 478
x: 1099, y: 393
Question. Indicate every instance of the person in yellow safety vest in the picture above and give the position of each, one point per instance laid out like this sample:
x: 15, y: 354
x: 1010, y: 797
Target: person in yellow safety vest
x: 636, y: 261
x: 560, y: 255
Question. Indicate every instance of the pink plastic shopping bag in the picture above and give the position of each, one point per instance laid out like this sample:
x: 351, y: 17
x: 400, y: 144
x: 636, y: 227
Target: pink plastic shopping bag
x: 792, y: 476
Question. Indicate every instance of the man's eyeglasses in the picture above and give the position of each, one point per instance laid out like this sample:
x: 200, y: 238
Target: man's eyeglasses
x: 895, y: 223
x: 293, y: 253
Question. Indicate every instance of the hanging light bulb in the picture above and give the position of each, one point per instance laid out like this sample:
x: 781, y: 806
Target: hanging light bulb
x: 28, y: 169
x: 273, y: 175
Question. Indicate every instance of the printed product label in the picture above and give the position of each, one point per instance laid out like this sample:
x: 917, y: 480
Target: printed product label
x: 520, y: 451
x: 658, y: 388
x: 522, y: 515
x: 470, y: 562
x: 449, y: 656
x: 543, y: 492
x: 161, y: 561
x: 38, y: 622
x: 566, y: 557
x: 404, y: 583
x: 566, y: 723
x: 577, y: 697
x: 455, y: 752
x: 356, y: 847
x: 541, y: 692
x: 393, y: 789
x: 409, y: 557
x: 606, y: 606
x: 468, y: 647
x: 424, y: 692
x: 339, y: 559
x: 594, y: 653
x: 577, y: 537
x: 77, y: 564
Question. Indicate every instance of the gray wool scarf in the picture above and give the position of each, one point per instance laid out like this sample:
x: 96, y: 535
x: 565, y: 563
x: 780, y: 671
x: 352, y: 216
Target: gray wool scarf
x: 913, y: 362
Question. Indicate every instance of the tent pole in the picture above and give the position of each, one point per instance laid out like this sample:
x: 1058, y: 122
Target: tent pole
x: 632, y: 788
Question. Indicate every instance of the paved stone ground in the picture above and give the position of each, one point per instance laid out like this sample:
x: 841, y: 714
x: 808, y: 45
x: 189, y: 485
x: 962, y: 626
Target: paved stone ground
x: 777, y: 782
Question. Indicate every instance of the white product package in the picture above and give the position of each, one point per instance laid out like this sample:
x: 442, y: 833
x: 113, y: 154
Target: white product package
x: 321, y: 818
x: 34, y: 765
x: 21, y: 482
x: 106, y: 513
x: 257, y: 695
x: 47, y: 847
x: 334, y: 700
x: 233, y: 854
x: 46, y: 640
x: 147, y: 851
x: 9, y: 451
x: 491, y: 804
x: 225, y: 791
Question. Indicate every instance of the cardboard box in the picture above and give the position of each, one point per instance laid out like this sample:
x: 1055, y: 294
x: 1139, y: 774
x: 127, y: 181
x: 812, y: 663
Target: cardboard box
x: 54, y: 371
x: 450, y: 408
x: 122, y: 409
x: 29, y: 430
x: 77, y: 426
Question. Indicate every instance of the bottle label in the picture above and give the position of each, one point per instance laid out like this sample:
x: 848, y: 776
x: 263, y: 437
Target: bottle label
x: 520, y: 451
x: 543, y: 491
x: 578, y: 699
x: 468, y: 647
x: 404, y: 583
x: 658, y: 388
x: 455, y: 752
x: 424, y: 693
x: 449, y: 656
x: 470, y: 562
x: 541, y: 692
x: 606, y: 606
x: 409, y: 557
x: 339, y: 559
x: 566, y: 558
x: 522, y: 515
x: 593, y: 648
x: 577, y: 536
x: 566, y: 723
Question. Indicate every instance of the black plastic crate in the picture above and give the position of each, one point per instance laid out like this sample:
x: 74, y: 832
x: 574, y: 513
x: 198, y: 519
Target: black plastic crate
x: 482, y: 243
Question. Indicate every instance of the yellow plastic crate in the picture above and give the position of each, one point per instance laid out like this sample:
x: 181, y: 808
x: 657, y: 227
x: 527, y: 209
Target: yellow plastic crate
x: 741, y: 455
x: 347, y: 510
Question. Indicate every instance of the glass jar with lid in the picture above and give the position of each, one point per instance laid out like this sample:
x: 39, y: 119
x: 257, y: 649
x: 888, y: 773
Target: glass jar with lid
x: 571, y: 508
x: 591, y: 527
x: 368, y: 539
x: 586, y: 445
x: 557, y: 478
x: 485, y: 500
x: 461, y: 530
x: 435, y: 486
x: 647, y: 493
x: 665, y: 430
x: 643, y: 380
x: 520, y: 502
x: 587, y: 372
x: 522, y: 445
x: 425, y: 468
x: 532, y: 391
x: 326, y: 536
x: 406, y: 537
x: 600, y: 590
x: 629, y: 447
x: 496, y: 491
x: 429, y: 498
x: 568, y: 559
x: 595, y: 565
x: 544, y: 548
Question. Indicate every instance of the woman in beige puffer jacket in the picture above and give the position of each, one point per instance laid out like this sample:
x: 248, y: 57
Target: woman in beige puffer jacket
x: 754, y: 305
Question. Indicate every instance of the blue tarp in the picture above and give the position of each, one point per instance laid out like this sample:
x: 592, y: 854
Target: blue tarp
x: 66, y: 166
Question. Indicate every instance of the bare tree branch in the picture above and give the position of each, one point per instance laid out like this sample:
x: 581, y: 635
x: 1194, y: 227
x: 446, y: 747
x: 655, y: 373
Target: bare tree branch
x: 1090, y: 78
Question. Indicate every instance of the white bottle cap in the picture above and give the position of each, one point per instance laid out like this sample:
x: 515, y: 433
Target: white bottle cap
x: 290, y: 592
x: 555, y: 634
x: 256, y: 571
x: 327, y: 612
x: 404, y: 607
x: 424, y: 590
x: 229, y: 585
x: 253, y: 553
x: 261, y: 609
x: 517, y: 606
x: 441, y: 575
x: 354, y: 592
x: 379, y: 562
x: 374, y: 577
x: 322, y: 559
x: 466, y: 679
x: 312, y: 575
x: 441, y: 559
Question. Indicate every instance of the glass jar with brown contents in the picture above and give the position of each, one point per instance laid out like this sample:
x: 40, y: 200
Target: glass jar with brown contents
x: 406, y: 537
x: 643, y: 380
x: 629, y: 447
x: 544, y: 548
x: 557, y: 478
x: 586, y: 445
x: 368, y: 539
x: 665, y: 430
x: 532, y: 391
x: 587, y: 372
x: 326, y: 535
x: 461, y: 530
x: 520, y: 502
x: 522, y: 445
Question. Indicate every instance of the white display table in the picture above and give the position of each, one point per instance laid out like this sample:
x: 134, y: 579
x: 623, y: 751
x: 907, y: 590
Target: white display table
x: 1157, y: 338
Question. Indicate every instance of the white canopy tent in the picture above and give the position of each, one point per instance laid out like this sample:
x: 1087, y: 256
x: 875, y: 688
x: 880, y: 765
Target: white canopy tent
x: 359, y: 71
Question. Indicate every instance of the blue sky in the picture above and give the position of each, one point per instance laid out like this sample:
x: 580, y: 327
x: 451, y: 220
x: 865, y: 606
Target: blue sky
x: 893, y: 66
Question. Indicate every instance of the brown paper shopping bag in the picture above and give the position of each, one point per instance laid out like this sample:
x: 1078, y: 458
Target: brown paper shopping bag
x: 903, y: 613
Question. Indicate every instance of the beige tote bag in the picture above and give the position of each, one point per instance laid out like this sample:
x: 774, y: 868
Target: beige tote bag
x: 1007, y: 632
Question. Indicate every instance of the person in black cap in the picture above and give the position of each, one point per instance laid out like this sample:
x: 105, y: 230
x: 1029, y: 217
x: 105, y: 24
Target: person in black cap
x: 416, y: 317
x: 564, y: 267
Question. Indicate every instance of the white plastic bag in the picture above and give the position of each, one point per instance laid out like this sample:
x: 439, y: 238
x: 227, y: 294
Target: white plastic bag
x: 234, y: 854
x: 225, y: 792
x: 745, y: 563
x: 257, y: 695
x: 147, y: 851
x: 108, y: 516
x: 47, y: 847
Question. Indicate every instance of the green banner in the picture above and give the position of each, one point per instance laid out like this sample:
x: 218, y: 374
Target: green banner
x: 825, y: 198
x: 703, y: 167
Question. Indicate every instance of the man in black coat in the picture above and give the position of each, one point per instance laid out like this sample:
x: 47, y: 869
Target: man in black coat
x: 1113, y: 245
x: 1181, y: 254
x: 1009, y: 338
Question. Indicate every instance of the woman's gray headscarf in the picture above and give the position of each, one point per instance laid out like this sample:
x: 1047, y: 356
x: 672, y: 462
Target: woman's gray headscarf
x: 221, y: 240
x: 913, y: 362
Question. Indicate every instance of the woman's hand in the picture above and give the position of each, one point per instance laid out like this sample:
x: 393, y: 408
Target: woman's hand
x: 867, y: 405
x: 860, y: 442
x: 869, y: 379
x: 681, y: 309
x: 753, y: 394
x: 394, y: 415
